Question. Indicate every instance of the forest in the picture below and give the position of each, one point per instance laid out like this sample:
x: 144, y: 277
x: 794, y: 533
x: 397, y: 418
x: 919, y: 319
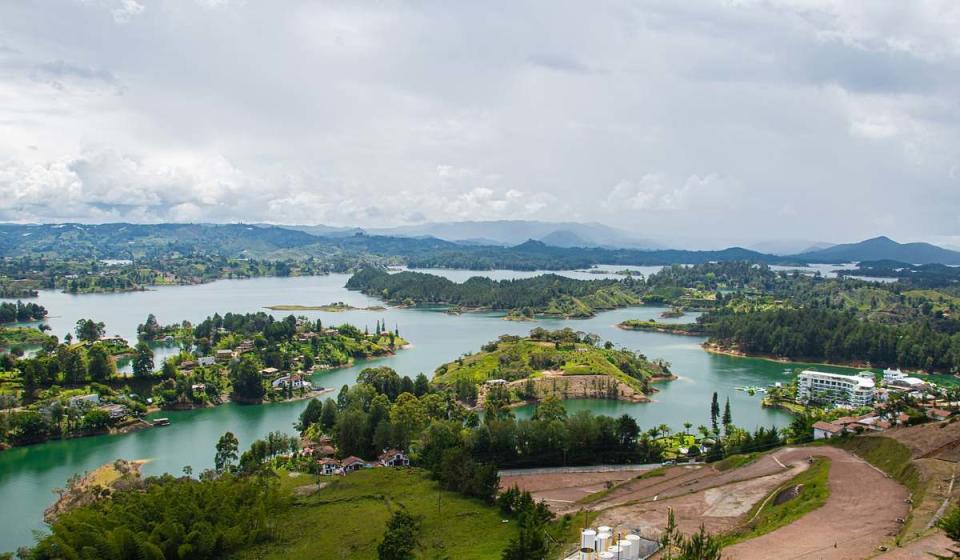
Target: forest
x: 547, y: 294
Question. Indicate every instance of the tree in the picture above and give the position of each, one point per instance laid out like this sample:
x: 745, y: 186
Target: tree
x: 89, y: 331
x: 727, y: 417
x: 549, y: 409
x: 310, y: 415
x: 227, y: 449
x: 400, y: 538
x: 328, y: 415
x: 246, y: 381
x: 143, y: 361
x: 421, y: 385
x: 100, y: 366
x: 715, y: 412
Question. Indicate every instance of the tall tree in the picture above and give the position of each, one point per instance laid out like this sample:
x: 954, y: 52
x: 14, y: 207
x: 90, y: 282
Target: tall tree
x: 143, y: 362
x: 227, y: 452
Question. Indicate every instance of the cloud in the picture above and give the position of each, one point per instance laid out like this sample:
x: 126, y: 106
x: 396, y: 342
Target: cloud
x: 736, y: 119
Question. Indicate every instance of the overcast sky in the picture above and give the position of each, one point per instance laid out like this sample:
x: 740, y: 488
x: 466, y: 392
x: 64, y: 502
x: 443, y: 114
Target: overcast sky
x: 827, y: 120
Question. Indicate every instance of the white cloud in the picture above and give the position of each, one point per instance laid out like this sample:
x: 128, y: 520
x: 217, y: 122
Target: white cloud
x: 741, y: 117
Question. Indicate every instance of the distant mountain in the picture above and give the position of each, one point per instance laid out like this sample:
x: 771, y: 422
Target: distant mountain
x: 880, y: 249
x: 124, y: 241
x: 513, y: 232
x: 788, y: 246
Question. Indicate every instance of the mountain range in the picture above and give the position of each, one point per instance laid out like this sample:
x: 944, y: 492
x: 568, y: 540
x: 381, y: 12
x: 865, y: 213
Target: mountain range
x: 479, y: 245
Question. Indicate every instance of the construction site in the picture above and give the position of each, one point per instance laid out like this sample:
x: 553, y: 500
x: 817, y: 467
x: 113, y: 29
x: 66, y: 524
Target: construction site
x: 882, y: 497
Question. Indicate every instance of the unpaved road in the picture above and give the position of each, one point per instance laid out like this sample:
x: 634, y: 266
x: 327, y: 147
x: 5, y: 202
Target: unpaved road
x: 861, y: 512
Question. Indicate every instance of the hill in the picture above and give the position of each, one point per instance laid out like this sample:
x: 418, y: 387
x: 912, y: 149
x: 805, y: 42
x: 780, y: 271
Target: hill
x: 550, y: 363
x: 883, y: 248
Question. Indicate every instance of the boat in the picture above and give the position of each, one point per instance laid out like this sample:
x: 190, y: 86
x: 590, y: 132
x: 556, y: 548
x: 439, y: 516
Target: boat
x: 161, y: 421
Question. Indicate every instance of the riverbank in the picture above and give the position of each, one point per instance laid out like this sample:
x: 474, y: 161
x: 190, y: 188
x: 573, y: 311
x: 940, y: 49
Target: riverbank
x: 653, y: 326
x: 338, y: 307
x: 713, y: 348
x: 94, y: 486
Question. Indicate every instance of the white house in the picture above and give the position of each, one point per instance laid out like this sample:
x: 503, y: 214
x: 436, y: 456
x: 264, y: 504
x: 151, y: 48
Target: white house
x: 850, y: 390
x: 295, y: 382
x: 84, y: 400
x: 329, y: 466
x: 394, y: 458
x: 206, y: 360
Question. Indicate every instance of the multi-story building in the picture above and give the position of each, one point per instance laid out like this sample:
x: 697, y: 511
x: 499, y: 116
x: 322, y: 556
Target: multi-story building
x: 851, y: 390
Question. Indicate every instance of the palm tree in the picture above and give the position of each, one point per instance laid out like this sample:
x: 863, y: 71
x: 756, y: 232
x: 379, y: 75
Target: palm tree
x: 686, y: 428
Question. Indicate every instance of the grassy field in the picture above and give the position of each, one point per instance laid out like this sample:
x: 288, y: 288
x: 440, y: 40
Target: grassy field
x: 346, y: 519
x: 766, y: 516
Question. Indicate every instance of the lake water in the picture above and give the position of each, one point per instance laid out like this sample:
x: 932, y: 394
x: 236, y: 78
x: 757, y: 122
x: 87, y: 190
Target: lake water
x: 28, y: 474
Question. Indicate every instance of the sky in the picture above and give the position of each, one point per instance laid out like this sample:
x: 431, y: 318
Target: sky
x: 819, y: 120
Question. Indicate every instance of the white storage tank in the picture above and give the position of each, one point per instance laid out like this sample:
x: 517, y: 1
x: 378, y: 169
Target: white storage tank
x: 604, y: 529
x: 618, y: 552
x: 604, y: 540
x: 588, y: 539
x: 607, y: 556
x: 634, y: 540
x: 626, y: 549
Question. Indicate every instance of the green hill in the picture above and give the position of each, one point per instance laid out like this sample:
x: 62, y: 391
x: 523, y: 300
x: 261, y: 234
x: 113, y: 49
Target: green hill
x: 513, y: 358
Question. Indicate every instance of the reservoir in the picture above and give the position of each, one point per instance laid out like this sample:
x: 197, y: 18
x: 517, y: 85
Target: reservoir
x: 29, y: 474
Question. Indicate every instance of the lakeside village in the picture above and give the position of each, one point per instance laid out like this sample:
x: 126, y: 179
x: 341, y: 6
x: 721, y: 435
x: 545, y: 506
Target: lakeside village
x: 836, y: 404
x: 73, y: 388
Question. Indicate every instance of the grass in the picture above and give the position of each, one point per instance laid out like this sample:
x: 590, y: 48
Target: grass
x: 347, y: 519
x: 735, y: 461
x: 597, y: 496
x: 767, y: 517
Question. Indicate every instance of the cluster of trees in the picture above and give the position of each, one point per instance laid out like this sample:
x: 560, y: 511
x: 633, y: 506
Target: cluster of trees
x: 169, y: 518
x: 21, y: 312
x: 835, y: 336
x: 548, y: 293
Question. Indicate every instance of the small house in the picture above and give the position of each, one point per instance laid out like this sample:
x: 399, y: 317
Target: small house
x: 352, y: 463
x: 329, y: 466
x: 224, y: 355
x: 394, y: 458
x: 295, y: 382
x: 269, y: 371
x: 82, y: 401
x: 198, y: 388
x: 826, y: 430
x: 938, y: 414
x: 206, y: 360
x: 115, y: 411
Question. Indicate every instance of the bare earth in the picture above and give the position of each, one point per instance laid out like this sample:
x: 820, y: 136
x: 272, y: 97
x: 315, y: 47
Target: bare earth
x: 861, y: 512
x: 561, y: 490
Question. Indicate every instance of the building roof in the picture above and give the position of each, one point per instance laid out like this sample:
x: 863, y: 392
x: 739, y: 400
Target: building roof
x: 390, y: 454
x: 351, y: 460
x: 939, y: 412
x: 827, y: 427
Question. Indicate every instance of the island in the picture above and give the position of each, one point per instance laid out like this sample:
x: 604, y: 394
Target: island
x: 561, y: 364
x: 330, y: 307
x: 548, y: 295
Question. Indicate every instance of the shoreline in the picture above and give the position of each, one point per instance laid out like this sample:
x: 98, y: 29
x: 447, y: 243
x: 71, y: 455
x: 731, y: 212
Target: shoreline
x: 658, y: 328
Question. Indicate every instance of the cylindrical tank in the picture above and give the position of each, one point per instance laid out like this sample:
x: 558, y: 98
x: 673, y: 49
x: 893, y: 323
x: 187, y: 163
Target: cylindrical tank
x: 603, y: 541
x: 635, y: 550
x: 617, y: 552
x: 604, y: 529
x: 625, y: 548
x: 607, y: 556
x: 588, y: 538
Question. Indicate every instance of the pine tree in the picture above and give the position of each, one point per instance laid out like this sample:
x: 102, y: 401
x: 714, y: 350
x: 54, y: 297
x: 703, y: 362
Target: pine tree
x: 714, y: 412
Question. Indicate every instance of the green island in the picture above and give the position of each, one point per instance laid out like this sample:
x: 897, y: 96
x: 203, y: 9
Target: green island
x: 561, y: 364
x: 547, y: 295
x: 72, y: 388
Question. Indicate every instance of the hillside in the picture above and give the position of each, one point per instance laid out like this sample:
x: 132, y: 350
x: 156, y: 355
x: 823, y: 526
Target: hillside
x: 547, y: 358
x: 883, y: 248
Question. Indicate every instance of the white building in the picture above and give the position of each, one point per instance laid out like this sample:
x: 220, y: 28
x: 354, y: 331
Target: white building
x: 851, y: 390
x: 892, y: 375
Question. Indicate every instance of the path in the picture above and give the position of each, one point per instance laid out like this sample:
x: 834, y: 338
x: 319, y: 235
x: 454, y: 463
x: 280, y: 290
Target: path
x: 860, y: 513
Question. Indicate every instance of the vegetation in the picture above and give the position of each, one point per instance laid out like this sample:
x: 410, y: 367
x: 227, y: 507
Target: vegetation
x: 800, y: 495
x: 169, y: 518
x: 513, y: 358
x: 21, y: 312
x: 548, y: 294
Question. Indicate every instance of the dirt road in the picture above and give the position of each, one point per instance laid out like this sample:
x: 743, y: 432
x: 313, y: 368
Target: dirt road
x: 862, y: 511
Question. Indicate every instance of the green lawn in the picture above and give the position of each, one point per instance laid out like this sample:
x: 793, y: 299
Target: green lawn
x: 766, y: 516
x: 347, y: 518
